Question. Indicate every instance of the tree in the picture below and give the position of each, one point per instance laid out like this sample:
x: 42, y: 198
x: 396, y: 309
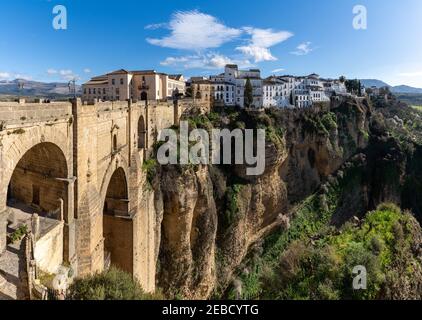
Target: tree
x: 342, y: 79
x: 248, y: 100
x: 353, y: 86
x: 360, y: 89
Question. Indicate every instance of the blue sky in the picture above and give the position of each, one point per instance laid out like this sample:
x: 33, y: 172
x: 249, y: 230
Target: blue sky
x: 199, y: 37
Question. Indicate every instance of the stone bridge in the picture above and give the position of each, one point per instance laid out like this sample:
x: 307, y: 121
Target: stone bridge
x: 83, y: 162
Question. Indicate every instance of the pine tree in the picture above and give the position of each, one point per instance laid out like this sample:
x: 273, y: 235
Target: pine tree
x: 248, y: 96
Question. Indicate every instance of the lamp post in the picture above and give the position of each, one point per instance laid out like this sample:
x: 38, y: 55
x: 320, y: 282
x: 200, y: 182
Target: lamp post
x: 72, y: 87
x: 21, y: 84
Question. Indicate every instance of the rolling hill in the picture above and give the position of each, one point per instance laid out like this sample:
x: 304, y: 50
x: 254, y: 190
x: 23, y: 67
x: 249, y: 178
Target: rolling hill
x: 36, y: 88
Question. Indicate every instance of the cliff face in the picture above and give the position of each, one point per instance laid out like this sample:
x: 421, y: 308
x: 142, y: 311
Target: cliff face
x: 210, y: 215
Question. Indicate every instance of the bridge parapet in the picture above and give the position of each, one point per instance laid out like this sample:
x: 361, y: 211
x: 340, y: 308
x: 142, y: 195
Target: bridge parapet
x: 15, y: 114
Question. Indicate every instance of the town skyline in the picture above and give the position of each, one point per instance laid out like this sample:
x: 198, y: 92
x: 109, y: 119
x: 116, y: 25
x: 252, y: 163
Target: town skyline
x: 197, y: 39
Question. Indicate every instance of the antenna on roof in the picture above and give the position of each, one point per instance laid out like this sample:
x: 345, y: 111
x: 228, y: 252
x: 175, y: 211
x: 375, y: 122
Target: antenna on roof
x: 72, y: 87
x: 21, y: 84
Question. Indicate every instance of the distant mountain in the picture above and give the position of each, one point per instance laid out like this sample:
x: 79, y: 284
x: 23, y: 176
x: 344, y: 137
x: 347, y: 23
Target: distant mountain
x: 36, y: 88
x: 374, y: 83
x: 406, y: 89
x: 396, y: 89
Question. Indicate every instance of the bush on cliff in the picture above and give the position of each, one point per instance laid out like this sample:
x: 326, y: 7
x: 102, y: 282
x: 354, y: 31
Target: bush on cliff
x: 113, y: 284
x: 322, y: 268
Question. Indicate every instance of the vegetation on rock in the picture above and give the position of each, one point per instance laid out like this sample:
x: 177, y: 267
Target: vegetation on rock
x: 113, y: 284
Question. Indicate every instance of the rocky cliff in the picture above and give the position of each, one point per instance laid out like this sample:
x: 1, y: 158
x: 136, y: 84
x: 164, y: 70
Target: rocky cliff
x: 211, y: 215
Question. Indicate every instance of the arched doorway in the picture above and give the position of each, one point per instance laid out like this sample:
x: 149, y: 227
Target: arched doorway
x: 144, y: 96
x: 141, y: 133
x: 117, y: 224
x: 38, y: 182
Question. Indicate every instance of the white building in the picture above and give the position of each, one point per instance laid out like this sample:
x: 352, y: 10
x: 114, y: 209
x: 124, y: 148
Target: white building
x: 290, y: 91
x: 238, y: 78
x: 223, y: 93
x: 276, y: 92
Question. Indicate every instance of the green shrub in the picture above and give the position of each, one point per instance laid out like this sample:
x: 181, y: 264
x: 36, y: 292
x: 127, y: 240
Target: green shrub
x: 19, y: 234
x: 150, y: 167
x: 113, y: 284
x: 232, y: 208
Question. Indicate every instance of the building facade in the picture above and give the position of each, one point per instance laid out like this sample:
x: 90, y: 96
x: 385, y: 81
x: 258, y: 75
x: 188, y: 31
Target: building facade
x: 235, y: 79
x: 121, y: 85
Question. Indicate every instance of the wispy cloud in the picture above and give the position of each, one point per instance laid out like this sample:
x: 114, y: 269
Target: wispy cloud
x: 22, y: 76
x: 257, y: 53
x: 155, y: 26
x: 64, y: 74
x: 52, y: 72
x: 209, y: 60
x: 5, y: 75
x: 199, y: 32
x: 193, y: 30
x: 10, y: 76
x: 277, y: 70
x: 411, y: 74
x: 303, y: 49
x: 87, y: 70
x: 68, y: 75
x: 260, y: 42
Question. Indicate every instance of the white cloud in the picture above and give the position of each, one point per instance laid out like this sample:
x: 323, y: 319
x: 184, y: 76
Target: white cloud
x: 260, y: 42
x: 267, y: 37
x: 277, y: 70
x: 87, y: 70
x: 303, y: 49
x: 193, y: 30
x: 411, y: 74
x: 217, y: 61
x: 209, y: 61
x: 199, y: 32
x: 257, y: 53
x: 5, y: 75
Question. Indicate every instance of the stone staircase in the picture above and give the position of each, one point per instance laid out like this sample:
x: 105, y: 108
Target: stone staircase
x: 12, y: 273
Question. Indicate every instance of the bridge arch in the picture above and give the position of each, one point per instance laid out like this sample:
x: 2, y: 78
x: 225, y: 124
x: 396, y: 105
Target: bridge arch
x: 141, y: 133
x: 117, y: 223
x: 36, y: 180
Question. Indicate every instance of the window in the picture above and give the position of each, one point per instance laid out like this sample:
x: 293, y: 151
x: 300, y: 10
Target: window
x: 117, y: 91
x: 36, y: 195
x: 113, y: 82
x: 121, y: 81
x: 115, y: 142
x: 95, y: 91
x: 89, y: 90
x: 104, y: 91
